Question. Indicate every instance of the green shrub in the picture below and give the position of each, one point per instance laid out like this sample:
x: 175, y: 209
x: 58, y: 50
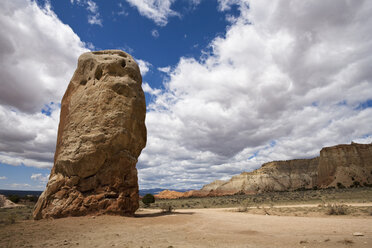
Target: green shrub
x: 31, y: 198
x: 14, y: 198
x: 148, y: 199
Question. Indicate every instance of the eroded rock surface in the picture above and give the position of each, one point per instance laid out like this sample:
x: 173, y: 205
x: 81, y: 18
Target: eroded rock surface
x: 100, y: 136
x: 345, y: 165
x: 337, y: 166
x: 274, y: 176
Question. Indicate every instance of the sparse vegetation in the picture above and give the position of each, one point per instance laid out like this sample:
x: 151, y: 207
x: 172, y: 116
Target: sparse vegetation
x: 12, y: 215
x: 340, y: 185
x: 14, y: 198
x: 321, y: 197
x: 166, y: 208
x: 12, y: 218
x: 337, y: 209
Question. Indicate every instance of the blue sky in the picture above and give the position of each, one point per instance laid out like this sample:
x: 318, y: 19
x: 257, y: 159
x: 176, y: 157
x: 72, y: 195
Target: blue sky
x: 186, y: 34
x: 229, y: 85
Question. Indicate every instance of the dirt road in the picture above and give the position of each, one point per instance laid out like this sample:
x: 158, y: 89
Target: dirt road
x: 190, y: 228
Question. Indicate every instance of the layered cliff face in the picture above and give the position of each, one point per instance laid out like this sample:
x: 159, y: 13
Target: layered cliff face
x: 274, y: 176
x: 100, y: 136
x: 337, y: 166
x: 345, y: 164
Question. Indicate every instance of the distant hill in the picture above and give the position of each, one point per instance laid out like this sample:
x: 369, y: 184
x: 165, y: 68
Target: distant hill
x: 7, y: 192
x: 155, y: 191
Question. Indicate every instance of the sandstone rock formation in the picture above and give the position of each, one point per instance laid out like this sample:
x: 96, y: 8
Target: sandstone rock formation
x: 337, y: 166
x: 5, y: 203
x: 273, y: 176
x: 100, y: 136
x: 169, y: 194
x: 345, y: 165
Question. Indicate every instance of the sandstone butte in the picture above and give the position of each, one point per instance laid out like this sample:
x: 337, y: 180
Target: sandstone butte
x: 169, y: 194
x: 100, y: 136
x: 337, y: 166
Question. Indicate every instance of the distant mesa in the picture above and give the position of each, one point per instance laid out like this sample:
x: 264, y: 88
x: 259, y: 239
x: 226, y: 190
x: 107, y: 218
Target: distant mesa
x: 337, y: 166
x: 169, y: 194
x: 100, y: 136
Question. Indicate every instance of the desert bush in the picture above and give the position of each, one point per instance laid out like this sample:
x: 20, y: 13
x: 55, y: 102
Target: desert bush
x: 337, y: 209
x: 31, y: 198
x: 355, y: 184
x: 266, y: 211
x: 148, y: 199
x: 367, y: 184
x: 14, y: 198
x: 167, y: 208
x: 340, y: 185
x: 242, y: 209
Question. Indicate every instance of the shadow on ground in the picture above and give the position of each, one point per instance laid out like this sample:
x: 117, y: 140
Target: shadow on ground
x: 158, y: 214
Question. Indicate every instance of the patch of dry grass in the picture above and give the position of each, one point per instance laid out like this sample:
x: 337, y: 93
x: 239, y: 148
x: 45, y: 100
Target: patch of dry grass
x: 10, y: 216
x: 321, y: 197
x: 337, y: 209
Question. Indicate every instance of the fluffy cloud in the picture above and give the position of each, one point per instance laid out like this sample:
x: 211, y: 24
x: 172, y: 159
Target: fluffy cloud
x: 3, y: 178
x: 38, y: 54
x: 20, y: 186
x: 155, y: 33
x: 40, y: 178
x: 144, y: 66
x: 287, y: 79
x: 165, y: 69
x: 157, y: 10
x: 94, y: 17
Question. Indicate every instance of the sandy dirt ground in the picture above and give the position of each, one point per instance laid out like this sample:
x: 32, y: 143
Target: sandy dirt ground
x: 191, y: 228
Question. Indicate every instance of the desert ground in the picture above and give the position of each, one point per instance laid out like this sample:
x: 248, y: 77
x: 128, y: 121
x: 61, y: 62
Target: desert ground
x: 300, y: 222
x: 190, y: 228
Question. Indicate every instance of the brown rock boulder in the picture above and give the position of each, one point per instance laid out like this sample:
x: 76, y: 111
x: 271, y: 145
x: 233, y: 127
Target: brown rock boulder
x: 100, y: 136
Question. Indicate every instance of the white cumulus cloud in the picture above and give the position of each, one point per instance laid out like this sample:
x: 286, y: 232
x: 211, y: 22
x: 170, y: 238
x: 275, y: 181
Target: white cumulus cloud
x: 144, y: 66
x: 155, y: 33
x: 3, y: 178
x: 38, y: 55
x: 287, y: 79
x: 40, y: 177
x: 94, y: 17
x: 157, y: 10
